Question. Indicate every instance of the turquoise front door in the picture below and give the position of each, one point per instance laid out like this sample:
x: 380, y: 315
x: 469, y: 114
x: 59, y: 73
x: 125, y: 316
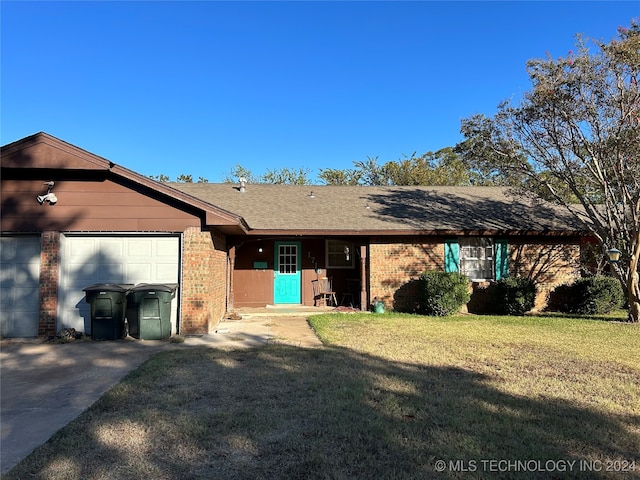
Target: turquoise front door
x: 287, y: 277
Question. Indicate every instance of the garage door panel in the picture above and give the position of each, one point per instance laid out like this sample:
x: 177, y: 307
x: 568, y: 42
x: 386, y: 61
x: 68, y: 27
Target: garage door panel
x: 166, y: 248
x: 140, y: 270
x: 19, y: 286
x: 140, y: 248
x: 121, y: 259
x: 111, y: 248
x: 165, y: 273
x: 109, y: 272
x: 81, y: 251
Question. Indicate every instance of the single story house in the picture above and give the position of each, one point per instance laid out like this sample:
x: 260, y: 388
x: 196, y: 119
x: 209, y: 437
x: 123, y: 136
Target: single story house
x: 229, y: 245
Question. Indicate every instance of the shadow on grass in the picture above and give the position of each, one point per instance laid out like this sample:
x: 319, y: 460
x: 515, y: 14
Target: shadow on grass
x: 615, y: 316
x: 282, y: 412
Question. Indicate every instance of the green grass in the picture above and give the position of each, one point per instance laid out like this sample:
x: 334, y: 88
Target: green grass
x: 387, y: 397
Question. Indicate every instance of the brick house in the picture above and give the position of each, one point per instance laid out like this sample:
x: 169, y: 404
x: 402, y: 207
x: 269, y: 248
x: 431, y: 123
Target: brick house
x: 230, y: 246
x: 392, y: 235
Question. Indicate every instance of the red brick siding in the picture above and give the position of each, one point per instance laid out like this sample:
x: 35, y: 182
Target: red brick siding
x: 204, y: 273
x: 549, y: 262
x: 219, y: 277
x: 49, y: 279
x: 395, y: 262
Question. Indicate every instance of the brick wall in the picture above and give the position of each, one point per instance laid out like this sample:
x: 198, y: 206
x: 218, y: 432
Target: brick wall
x: 49, y: 280
x: 550, y: 262
x: 219, y: 276
x: 203, y: 287
x: 395, y: 264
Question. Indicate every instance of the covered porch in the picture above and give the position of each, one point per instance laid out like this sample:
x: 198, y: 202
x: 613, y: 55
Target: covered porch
x: 279, y: 272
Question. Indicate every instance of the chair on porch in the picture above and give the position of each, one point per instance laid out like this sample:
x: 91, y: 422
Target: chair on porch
x: 323, y: 293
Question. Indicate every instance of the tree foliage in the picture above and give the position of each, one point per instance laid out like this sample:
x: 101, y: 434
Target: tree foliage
x: 575, y: 139
x: 283, y: 176
x: 444, y: 167
x: 182, y: 178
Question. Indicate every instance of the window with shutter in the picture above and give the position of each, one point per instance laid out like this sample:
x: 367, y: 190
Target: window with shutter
x: 479, y: 258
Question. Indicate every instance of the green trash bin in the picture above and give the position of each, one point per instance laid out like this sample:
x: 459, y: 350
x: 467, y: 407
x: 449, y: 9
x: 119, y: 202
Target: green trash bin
x: 108, y: 303
x: 379, y: 307
x: 149, y: 310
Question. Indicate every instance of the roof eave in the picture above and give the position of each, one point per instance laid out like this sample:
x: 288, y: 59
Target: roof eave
x: 424, y: 232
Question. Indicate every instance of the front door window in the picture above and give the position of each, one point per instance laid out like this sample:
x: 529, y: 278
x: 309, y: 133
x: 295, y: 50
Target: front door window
x: 288, y: 259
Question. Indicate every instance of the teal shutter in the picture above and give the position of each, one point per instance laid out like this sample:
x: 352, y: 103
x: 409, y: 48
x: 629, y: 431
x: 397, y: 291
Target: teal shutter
x: 501, y: 247
x: 451, y: 255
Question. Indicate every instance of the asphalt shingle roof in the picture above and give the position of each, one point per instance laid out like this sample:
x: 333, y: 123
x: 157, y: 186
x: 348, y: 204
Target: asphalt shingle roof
x: 381, y: 209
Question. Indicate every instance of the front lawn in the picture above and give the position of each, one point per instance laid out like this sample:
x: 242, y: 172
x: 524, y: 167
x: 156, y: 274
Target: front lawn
x: 389, y: 397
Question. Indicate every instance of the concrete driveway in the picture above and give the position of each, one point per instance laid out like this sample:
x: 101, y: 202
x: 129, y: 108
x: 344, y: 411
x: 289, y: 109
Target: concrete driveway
x: 43, y: 386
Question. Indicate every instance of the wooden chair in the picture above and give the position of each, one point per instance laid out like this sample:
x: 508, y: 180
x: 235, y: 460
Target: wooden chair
x: 323, y: 293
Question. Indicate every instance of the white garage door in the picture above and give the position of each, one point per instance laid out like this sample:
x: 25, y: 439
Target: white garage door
x: 87, y: 260
x: 19, y: 280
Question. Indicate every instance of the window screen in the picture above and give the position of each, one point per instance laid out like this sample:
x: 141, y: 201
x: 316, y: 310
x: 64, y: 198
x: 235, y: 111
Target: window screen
x: 476, y: 258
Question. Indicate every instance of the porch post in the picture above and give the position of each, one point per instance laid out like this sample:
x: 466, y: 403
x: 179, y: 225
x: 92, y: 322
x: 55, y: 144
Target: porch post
x: 363, y: 278
x: 231, y: 294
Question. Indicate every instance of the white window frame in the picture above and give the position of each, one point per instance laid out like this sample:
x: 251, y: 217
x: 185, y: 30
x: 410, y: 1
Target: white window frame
x: 335, y: 249
x: 477, y: 258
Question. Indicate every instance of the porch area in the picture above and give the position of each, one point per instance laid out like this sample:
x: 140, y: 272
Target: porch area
x: 283, y: 311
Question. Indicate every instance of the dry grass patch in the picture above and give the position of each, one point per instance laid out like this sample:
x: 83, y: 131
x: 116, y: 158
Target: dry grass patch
x: 387, y: 397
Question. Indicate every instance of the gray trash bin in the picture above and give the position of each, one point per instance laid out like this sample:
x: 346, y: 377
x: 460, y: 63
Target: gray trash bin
x: 149, y: 310
x: 108, y: 302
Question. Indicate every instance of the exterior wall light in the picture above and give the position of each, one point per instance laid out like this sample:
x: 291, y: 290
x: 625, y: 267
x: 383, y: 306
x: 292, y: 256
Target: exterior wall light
x: 613, y: 255
x: 49, y: 197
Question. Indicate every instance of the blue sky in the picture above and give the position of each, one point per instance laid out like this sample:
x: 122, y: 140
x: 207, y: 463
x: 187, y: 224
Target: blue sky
x: 198, y: 87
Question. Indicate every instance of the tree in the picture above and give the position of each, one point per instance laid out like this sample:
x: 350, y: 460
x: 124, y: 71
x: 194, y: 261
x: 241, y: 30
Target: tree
x: 182, y: 178
x: 287, y: 176
x: 575, y: 138
x: 332, y: 176
x: 160, y: 178
x: 238, y: 172
x: 444, y: 167
x: 283, y: 176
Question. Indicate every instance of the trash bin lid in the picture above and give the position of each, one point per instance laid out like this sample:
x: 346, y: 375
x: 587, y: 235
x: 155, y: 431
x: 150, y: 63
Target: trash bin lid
x: 158, y: 287
x: 108, y: 287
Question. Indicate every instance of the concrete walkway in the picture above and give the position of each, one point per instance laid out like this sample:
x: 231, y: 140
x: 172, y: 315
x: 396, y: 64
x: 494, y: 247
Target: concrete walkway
x: 43, y: 386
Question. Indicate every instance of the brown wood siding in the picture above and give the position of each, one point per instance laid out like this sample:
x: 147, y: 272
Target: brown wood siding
x: 50, y: 152
x: 87, y: 206
x: 253, y: 287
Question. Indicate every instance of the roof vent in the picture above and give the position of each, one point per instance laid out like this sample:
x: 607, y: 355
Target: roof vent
x: 311, y: 195
x: 243, y: 184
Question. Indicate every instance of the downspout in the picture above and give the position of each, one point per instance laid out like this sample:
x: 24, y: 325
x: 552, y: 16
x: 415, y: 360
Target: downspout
x: 230, y: 292
x: 363, y: 278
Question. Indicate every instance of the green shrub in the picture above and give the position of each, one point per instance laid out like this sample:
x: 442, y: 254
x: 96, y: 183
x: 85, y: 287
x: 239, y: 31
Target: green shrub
x: 560, y: 299
x: 588, y: 296
x: 443, y: 293
x: 515, y: 295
